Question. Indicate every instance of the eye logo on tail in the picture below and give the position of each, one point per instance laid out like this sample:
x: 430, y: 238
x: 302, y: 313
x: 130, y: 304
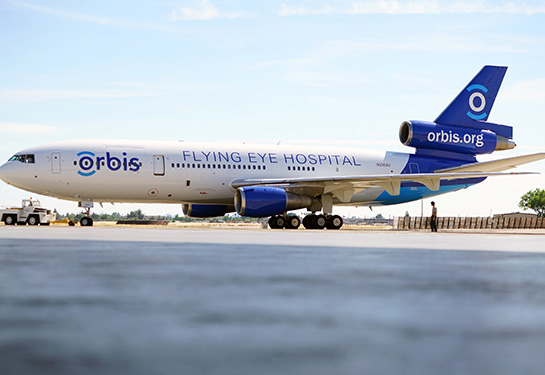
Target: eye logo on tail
x: 477, y: 102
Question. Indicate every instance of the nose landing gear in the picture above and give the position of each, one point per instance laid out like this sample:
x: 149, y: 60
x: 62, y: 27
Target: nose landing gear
x: 86, y: 221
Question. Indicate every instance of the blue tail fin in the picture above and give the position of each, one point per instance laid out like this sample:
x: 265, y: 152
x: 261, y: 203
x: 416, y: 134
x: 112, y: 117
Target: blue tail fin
x: 473, y: 104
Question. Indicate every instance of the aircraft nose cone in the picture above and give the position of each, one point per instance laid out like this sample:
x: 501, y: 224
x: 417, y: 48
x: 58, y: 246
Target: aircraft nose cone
x: 4, y: 172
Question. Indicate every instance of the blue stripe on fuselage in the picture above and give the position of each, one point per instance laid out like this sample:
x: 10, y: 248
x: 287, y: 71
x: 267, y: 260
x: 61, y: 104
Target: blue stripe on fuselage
x: 412, y: 191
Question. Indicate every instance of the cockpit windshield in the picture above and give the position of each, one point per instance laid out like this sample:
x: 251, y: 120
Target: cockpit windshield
x: 26, y: 158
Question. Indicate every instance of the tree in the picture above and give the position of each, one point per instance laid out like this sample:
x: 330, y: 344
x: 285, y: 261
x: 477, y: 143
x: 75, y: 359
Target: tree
x: 135, y: 215
x: 534, y: 200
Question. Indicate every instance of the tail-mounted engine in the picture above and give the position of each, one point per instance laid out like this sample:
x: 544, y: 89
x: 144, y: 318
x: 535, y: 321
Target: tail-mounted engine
x: 464, y: 140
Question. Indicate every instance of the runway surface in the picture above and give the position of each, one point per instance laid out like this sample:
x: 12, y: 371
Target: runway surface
x: 178, y: 301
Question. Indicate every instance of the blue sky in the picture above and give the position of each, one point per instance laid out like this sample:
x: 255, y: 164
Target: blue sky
x: 343, y: 73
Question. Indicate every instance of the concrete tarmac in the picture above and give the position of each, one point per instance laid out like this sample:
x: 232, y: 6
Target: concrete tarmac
x: 178, y: 301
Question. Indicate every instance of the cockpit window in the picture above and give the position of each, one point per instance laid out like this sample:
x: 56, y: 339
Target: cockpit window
x: 26, y: 158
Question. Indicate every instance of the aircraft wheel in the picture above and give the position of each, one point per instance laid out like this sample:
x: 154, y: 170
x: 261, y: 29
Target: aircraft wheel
x: 86, y: 222
x: 10, y: 220
x: 319, y: 222
x: 334, y: 222
x: 293, y: 222
x: 33, y: 220
x: 277, y: 222
x: 307, y: 221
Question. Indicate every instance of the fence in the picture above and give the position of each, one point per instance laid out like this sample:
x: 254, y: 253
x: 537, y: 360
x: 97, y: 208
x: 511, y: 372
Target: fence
x: 499, y: 222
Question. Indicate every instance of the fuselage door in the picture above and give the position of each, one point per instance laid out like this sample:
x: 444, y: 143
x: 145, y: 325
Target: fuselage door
x: 158, y: 165
x: 55, y: 162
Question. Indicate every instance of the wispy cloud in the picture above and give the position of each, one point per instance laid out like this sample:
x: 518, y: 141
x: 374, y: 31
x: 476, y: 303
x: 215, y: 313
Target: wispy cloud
x: 56, y: 94
x: 527, y: 91
x: 287, y: 10
x: 414, y: 7
x: 24, y: 128
x: 319, y: 79
x: 342, y: 49
x: 77, y: 16
x: 203, y: 11
x: 99, y: 20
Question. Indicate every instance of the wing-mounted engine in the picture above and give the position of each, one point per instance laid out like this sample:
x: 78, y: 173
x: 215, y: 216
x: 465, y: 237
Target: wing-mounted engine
x: 262, y: 201
x: 424, y: 135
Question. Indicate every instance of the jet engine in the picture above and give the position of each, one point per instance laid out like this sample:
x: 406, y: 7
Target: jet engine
x: 464, y: 140
x: 261, y: 201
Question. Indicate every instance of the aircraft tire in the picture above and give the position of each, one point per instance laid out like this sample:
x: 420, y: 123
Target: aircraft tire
x: 319, y: 222
x: 307, y: 221
x: 293, y: 222
x: 86, y: 222
x: 334, y: 222
x: 277, y: 222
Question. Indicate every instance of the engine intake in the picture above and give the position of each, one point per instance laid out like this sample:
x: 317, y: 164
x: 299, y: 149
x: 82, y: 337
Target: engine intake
x: 261, y: 201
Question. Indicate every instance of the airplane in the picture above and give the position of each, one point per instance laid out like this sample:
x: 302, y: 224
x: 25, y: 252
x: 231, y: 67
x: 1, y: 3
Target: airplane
x: 211, y: 179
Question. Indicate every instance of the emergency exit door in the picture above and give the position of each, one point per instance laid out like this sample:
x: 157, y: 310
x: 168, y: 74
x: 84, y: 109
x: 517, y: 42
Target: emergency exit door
x: 158, y: 165
x: 56, y: 162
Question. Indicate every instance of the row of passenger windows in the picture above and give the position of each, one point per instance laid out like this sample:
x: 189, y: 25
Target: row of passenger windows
x: 237, y: 166
x: 218, y: 166
x: 301, y: 169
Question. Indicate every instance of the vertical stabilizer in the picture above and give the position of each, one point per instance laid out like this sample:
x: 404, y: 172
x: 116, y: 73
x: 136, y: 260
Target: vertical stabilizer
x: 473, y: 104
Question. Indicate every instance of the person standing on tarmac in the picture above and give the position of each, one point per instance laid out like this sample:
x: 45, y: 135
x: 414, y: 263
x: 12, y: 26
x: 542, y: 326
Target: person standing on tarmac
x: 433, y: 219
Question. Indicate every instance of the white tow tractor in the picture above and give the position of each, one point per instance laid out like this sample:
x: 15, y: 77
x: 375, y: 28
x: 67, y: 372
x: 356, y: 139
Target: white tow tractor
x: 31, y: 213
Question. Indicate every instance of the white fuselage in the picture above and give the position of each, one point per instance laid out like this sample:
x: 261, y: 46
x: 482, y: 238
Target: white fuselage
x: 182, y: 172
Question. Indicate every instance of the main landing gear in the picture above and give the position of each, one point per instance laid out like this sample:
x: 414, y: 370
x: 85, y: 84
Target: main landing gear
x: 309, y: 222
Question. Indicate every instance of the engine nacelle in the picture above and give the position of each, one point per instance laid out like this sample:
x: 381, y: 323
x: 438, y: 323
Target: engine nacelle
x: 261, y: 201
x: 464, y: 140
x: 206, y: 210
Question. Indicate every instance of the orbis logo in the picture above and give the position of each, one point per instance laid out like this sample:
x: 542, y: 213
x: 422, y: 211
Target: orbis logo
x: 477, y: 102
x: 90, y: 163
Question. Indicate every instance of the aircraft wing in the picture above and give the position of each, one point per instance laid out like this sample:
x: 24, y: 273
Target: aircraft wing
x: 346, y: 186
x: 495, y: 165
